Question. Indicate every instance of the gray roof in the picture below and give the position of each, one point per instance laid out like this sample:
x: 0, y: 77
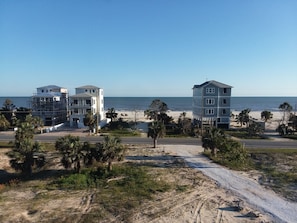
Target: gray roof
x: 216, y: 83
x: 51, y: 86
x: 88, y: 87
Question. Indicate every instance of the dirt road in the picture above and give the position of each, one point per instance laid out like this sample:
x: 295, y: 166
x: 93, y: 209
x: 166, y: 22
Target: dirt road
x: 249, y: 190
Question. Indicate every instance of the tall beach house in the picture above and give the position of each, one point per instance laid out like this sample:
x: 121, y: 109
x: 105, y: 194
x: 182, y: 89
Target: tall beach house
x: 86, y: 99
x: 211, y: 104
x: 50, y: 103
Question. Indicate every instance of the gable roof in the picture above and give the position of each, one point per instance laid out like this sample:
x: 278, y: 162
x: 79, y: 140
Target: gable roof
x: 216, y: 83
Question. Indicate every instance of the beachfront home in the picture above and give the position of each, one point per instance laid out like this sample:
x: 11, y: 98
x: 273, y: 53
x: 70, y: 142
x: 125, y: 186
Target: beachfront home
x: 50, y: 103
x: 211, y: 104
x: 86, y: 99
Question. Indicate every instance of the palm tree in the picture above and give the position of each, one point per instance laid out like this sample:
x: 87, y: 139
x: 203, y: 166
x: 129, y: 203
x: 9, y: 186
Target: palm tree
x: 4, y: 124
x: 8, y: 105
x: 90, y: 121
x: 156, y: 109
x: 111, y: 114
x: 110, y: 150
x: 255, y: 129
x: 286, y: 108
x: 266, y: 115
x: 36, y: 122
x: 72, y: 152
x: 184, y: 123
x: 156, y: 130
x: 243, y: 117
x: 8, y: 109
x: 26, y: 153
x: 213, y: 139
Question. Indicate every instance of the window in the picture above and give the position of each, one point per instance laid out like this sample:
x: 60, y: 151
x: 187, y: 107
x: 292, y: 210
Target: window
x: 225, y: 90
x: 209, y: 111
x: 210, y: 101
x: 224, y: 112
x: 210, y: 90
x: 224, y: 101
x: 75, y: 101
x: 88, y: 102
x: 75, y: 111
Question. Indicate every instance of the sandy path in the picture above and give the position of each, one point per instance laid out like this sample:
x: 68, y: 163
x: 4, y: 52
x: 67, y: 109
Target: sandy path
x: 246, y: 188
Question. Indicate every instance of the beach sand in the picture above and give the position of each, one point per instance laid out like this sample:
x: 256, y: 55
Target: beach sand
x: 139, y: 117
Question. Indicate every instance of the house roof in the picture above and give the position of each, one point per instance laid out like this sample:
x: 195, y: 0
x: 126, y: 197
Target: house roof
x: 216, y: 83
x: 51, y: 86
x: 88, y: 87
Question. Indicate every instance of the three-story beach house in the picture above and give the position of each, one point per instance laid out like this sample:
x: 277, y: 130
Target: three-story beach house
x: 50, y: 103
x: 86, y: 99
x: 211, y: 104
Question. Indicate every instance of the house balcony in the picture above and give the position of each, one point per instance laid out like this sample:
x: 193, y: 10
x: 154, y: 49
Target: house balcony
x: 80, y: 105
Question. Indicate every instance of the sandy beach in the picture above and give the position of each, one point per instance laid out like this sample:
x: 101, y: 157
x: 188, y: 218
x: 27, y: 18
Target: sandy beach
x: 138, y: 116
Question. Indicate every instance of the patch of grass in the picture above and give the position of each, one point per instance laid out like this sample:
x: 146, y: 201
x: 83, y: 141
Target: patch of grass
x: 77, y: 181
x: 6, y: 145
x: 119, y: 191
x: 49, y: 146
x: 182, y: 188
x: 291, y: 137
x: 233, y: 164
x: 272, y: 151
x: 122, y: 132
x: 278, y: 168
x: 243, y: 134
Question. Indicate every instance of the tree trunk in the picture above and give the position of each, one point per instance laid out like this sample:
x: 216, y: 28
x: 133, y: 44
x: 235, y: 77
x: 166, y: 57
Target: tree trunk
x: 214, y: 152
x: 109, y: 167
x: 155, y: 143
x: 77, y: 169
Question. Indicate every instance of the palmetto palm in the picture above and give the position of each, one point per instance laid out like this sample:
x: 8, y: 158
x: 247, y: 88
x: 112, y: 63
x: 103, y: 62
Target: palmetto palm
x: 90, y: 120
x: 213, y: 139
x: 4, y: 124
x: 243, y: 117
x: 156, y: 130
x: 286, y: 108
x: 266, y: 115
x: 156, y: 109
x: 111, y: 113
x: 71, y: 149
x: 26, y: 152
x: 110, y: 150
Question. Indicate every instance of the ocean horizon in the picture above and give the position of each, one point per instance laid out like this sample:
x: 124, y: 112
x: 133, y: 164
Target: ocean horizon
x: 176, y: 103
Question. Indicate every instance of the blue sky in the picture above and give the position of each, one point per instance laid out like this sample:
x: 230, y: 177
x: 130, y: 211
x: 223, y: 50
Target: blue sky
x: 149, y: 47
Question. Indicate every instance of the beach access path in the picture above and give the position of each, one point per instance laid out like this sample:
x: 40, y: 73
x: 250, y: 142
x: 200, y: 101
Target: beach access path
x: 246, y: 188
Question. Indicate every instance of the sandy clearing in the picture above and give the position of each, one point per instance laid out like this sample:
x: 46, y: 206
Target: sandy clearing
x: 246, y: 188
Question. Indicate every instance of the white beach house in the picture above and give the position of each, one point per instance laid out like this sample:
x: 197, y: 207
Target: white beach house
x: 211, y: 104
x: 50, y: 103
x: 86, y: 99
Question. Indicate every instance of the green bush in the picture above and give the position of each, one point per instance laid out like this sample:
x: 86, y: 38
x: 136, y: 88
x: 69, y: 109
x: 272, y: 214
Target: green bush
x: 232, y: 154
x: 128, y: 179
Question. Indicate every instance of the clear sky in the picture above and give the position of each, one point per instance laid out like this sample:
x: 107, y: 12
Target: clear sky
x: 149, y: 47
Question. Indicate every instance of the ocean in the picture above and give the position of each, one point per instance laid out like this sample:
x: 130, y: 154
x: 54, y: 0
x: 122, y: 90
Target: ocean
x: 177, y: 103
